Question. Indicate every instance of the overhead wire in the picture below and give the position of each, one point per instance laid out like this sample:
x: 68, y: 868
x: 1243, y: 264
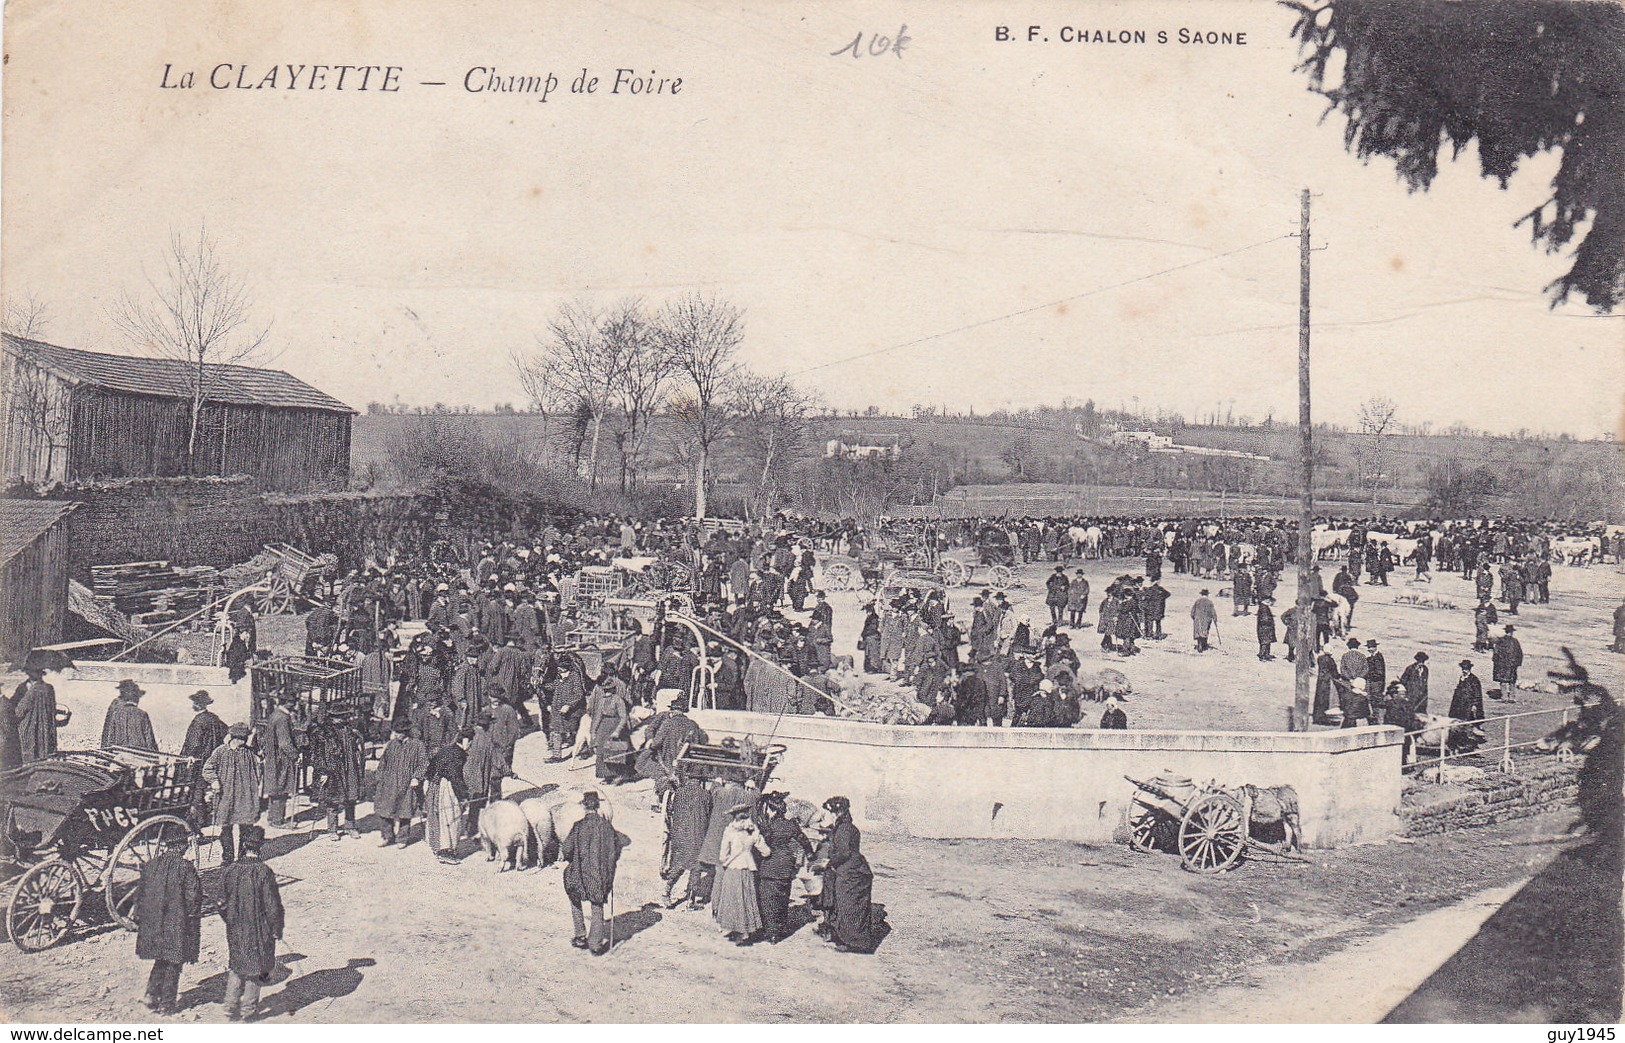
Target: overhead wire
x: 1041, y: 307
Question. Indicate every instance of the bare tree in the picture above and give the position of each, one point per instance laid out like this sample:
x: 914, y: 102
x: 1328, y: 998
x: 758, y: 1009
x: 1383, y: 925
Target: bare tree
x: 771, y: 420
x: 573, y: 371
x: 198, y: 313
x: 26, y: 316
x: 641, y: 379
x: 1376, y: 420
x: 701, y: 337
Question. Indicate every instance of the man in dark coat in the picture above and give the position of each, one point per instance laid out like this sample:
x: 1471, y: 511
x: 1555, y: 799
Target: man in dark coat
x: 1376, y: 672
x: 1467, y: 702
x: 1266, y: 629
x: 279, y: 754
x: 337, y: 758
x: 251, y: 906
x: 37, y: 716
x: 567, y: 699
x: 590, y: 850
x: 206, y: 732
x: 126, y: 724
x: 11, y: 747
x: 398, y: 784
x: 1415, y: 680
x: 688, y: 817
x: 1505, y: 661
x: 777, y: 870
x: 169, y: 915
x: 970, y: 698
x: 1055, y: 594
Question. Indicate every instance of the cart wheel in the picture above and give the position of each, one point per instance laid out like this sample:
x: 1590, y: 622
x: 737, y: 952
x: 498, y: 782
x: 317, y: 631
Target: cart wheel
x: 45, y: 905
x: 140, y: 845
x: 953, y: 573
x: 1002, y: 575
x: 1212, y: 834
x: 838, y: 576
x: 1150, y: 829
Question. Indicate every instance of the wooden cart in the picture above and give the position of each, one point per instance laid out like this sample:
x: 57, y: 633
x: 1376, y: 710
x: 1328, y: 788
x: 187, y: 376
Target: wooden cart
x: 1211, y: 827
x: 82, y: 821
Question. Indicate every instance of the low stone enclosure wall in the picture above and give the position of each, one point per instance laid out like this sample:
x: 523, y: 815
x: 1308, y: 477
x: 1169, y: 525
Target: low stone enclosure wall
x: 1490, y: 798
x: 1067, y: 784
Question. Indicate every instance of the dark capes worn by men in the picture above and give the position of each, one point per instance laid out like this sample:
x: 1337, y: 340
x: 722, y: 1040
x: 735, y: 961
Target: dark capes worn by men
x: 404, y: 764
x: 36, y: 719
x: 592, y: 848
x: 204, y: 735
x: 168, y: 910
x: 128, y: 725
x: 688, y: 814
x: 251, y: 906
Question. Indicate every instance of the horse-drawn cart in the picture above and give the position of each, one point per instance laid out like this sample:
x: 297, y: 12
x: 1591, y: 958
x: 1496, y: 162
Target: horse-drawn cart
x: 86, y: 820
x: 1212, y: 827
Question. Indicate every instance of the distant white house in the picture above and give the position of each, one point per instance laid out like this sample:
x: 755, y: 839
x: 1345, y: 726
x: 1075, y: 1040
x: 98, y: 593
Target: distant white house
x: 1149, y: 439
x: 858, y: 446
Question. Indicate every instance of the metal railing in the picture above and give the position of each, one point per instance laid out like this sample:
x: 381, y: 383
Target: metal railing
x: 1486, y: 726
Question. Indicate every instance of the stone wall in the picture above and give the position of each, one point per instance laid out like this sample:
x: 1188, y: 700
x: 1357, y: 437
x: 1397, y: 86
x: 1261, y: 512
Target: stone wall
x: 1492, y: 798
x: 1068, y: 784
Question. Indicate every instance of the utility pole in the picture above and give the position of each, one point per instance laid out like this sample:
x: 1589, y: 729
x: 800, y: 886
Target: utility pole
x: 1303, y: 635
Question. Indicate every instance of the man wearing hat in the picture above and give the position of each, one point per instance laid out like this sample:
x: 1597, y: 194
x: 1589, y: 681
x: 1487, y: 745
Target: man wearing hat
x: 280, y: 757
x: 169, y: 916
x: 1467, y: 702
x: 251, y: 906
x: 38, y: 718
x: 1265, y: 624
x: 1376, y: 672
x: 231, y: 775
x: 126, y: 723
x: 1415, y: 680
x: 1056, y: 591
x: 590, y: 852
x: 338, y: 760
x: 402, y: 768
x: 206, y: 732
x: 1504, y: 663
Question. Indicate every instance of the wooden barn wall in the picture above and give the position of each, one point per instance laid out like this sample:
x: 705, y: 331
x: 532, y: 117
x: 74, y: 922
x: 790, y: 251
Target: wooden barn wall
x: 34, y: 594
x: 289, y: 450
x: 34, y: 440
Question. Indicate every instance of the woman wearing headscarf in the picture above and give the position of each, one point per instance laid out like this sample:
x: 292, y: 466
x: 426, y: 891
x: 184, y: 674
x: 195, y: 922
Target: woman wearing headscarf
x: 855, y: 924
x: 734, y: 904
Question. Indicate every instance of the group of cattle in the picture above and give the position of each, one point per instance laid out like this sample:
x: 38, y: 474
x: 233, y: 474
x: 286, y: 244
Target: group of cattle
x: 1568, y: 549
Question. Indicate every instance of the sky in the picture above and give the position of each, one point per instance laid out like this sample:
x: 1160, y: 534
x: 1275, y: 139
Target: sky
x: 987, y: 224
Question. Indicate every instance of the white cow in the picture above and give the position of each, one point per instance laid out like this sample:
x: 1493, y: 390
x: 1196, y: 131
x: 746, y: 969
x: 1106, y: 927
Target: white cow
x: 1324, y: 541
x: 1577, y: 550
x: 1401, y: 547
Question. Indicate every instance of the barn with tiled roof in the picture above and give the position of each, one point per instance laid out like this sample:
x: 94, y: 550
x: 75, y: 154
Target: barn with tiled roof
x: 76, y: 415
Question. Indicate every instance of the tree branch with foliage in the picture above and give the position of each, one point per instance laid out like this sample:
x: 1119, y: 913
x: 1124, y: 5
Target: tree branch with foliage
x: 1515, y: 78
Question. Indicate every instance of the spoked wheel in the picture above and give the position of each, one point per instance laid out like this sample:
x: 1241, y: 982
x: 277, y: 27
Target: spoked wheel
x: 140, y: 845
x: 1213, y: 833
x: 1002, y: 575
x: 45, y: 905
x: 953, y: 573
x: 677, y: 601
x: 1150, y: 829
x: 838, y: 576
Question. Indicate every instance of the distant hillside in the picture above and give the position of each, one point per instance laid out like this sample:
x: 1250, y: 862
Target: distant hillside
x: 1531, y: 476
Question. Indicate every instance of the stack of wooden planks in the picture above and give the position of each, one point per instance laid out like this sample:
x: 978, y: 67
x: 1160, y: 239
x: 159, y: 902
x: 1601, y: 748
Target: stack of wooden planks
x: 150, y: 593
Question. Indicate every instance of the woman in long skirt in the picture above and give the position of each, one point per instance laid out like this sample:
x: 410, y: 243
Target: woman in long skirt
x: 448, y: 794
x: 733, y: 903
x: 856, y: 923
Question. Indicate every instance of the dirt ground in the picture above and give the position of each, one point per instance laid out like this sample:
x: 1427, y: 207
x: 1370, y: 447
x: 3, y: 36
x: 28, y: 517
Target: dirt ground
x: 1228, y: 689
x: 984, y: 930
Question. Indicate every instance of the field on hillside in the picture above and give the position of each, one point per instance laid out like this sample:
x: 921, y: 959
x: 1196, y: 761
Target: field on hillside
x: 976, y: 451
x: 1039, y: 499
